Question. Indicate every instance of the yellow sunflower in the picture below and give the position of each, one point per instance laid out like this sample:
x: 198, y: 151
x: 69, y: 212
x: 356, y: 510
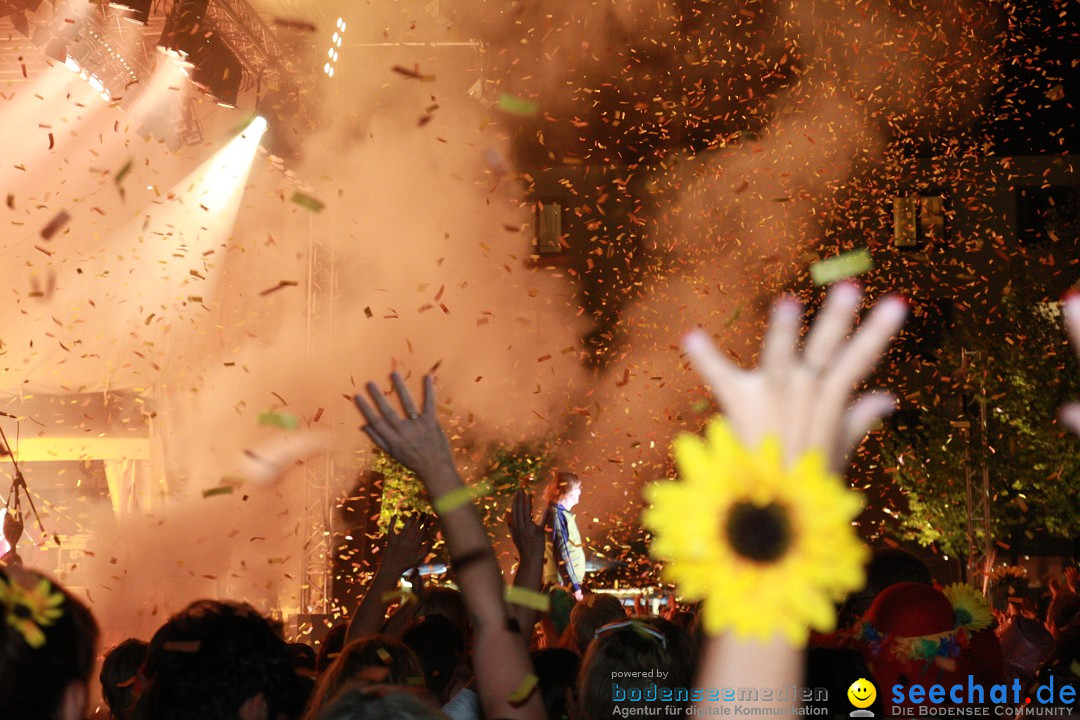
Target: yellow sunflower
x: 971, y: 608
x: 28, y: 610
x: 768, y: 548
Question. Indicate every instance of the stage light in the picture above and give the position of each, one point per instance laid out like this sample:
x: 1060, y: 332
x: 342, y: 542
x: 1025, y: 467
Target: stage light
x: 216, y: 68
x: 221, y: 180
x: 335, y: 42
x: 72, y: 64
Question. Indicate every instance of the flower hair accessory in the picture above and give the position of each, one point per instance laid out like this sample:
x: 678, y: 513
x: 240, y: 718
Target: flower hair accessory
x: 769, y: 547
x: 29, y: 610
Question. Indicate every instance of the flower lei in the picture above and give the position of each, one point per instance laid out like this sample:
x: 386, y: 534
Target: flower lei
x: 29, y: 610
x: 971, y: 613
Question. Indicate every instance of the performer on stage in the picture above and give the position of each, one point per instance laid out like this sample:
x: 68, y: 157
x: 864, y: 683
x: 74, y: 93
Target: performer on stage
x: 564, y: 556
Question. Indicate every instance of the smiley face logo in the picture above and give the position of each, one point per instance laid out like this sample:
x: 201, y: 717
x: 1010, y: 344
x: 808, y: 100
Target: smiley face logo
x: 862, y: 693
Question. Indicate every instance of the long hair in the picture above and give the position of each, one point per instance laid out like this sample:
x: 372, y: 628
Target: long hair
x: 560, y: 486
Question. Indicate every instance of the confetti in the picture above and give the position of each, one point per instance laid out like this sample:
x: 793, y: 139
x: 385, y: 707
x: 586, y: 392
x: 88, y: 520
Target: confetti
x: 282, y: 420
x: 462, y: 495
x: 280, y: 285
x: 123, y: 171
x: 55, y: 225
x: 307, y: 201
x: 220, y: 490
x: 845, y: 265
x: 514, y: 105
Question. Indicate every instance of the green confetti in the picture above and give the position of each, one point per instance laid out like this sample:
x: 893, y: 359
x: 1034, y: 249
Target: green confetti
x: 307, y: 201
x: 515, y: 105
x: 220, y: 490
x: 123, y: 172
x: 845, y: 265
x: 282, y: 420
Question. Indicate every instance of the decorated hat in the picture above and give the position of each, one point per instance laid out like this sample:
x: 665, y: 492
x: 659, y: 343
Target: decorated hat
x: 915, y: 633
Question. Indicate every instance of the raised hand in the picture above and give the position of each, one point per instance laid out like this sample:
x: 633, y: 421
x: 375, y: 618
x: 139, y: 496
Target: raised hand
x: 529, y: 537
x: 406, y: 548
x: 804, y: 398
x: 413, y: 439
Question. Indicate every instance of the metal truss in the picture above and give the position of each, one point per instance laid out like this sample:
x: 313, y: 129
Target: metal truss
x: 250, y: 39
x: 980, y: 540
x: 316, y: 586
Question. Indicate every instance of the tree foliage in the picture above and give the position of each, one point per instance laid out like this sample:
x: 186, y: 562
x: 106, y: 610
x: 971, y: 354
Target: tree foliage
x: 1021, y: 366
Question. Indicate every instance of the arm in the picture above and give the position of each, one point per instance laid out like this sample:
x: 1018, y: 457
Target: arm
x: 529, y: 540
x: 805, y: 401
x: 405, y: 548
x: 416, y: 441
x: 560, y: 539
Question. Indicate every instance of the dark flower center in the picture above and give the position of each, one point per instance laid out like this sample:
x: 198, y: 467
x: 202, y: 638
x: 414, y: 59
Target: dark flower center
x: 21, y: 611
x: 759, y: 533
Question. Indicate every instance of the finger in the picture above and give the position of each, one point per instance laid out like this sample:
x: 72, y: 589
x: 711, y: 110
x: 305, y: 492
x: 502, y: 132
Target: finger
x: 1070, y: 306
x: 403, y: 394
x: 860, y: 355
x: 1070, y: 416
x: 429, y: 395
x: 366, y: 410
x: 863, y: 415
x: 781, y: 340
x: 853, y: 365
x: 832, y: 325
x: 388, y: 413
x: 376, y: 438
x: 716, y: 370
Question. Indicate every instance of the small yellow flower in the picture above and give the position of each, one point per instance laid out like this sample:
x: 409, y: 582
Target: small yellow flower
x: 28, y: 610
x: 971, y: 608
x: 768, y: 548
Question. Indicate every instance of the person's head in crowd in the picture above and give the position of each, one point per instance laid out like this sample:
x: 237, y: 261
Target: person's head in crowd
x: 357, y: 703
x: 593, y: 612
x: 304, y: 658
x: 366, y: 662
x: 440, y: 647
x: 557, y: 669
x: 1064, y: 607
x: 47, y: 648
x: 564, y: 489
x: 448, y: 603
x: 1026, y: 645
x: 331, y: 646
x: 219, y: 661
x: 912, y: 634
x: 633, y: 646
x: 887, y: 567
x: 118, y: 677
